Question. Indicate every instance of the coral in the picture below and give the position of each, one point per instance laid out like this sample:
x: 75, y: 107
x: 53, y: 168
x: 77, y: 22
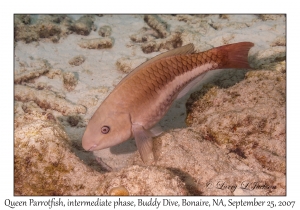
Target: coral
x: 69, y: 80
x: 105, y: 31
x: 47, y: 100
x: 126, y: 64
x: 77, y: 60
x: 97, y: 43
x: 154, y: 22
x: 39, y: 68
x: 83, y: 25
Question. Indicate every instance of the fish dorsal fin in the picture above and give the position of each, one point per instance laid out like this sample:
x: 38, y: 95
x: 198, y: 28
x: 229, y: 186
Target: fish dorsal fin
x: 186, y: 49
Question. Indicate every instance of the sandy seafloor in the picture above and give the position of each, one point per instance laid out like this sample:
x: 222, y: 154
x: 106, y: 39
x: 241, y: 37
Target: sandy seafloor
x: 102, y: 69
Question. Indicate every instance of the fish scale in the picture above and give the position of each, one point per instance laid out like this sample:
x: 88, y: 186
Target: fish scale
x: 160, y: 77
x: 143, y: 97
x: 164, y: 75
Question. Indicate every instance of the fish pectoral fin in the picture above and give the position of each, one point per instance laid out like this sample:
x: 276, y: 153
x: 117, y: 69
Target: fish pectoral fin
x: 156, y: 130
x: 144, y: 143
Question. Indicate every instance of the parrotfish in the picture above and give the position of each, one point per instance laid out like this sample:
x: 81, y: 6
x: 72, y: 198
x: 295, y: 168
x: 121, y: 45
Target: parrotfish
x: 143, y: 97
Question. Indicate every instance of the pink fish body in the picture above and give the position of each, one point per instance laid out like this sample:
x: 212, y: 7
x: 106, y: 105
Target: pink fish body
x: 144, y: 96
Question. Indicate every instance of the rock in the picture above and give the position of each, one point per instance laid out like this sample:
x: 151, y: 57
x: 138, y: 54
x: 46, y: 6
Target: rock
x: 83, y: 25
x: 37, y: 69
x: 119, y: 191
x: 47, y: 100
x: 77, y: 60
x: 97, y: 43
x: 158, y: 25
x: 48, y: 26
x: 44, y: 163
x: 70, y: 81
x: 144, y: 35
x: 141, y: 180
x: 169, y: 43
x: 126, y: 64
x: 105, y: 31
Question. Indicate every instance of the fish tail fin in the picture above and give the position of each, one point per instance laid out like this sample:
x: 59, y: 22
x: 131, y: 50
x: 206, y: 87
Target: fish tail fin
x: 236, y: 55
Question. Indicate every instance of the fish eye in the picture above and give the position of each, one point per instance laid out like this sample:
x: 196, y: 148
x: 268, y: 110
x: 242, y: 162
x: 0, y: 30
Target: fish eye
x: 105, y: 129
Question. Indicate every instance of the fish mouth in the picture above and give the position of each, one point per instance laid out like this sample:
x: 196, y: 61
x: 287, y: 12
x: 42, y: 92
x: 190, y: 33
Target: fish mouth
x: 89, y: 148
x: 92, y: 148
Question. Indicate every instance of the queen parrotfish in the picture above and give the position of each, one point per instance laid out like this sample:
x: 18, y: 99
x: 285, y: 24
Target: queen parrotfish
x: 142, y: 98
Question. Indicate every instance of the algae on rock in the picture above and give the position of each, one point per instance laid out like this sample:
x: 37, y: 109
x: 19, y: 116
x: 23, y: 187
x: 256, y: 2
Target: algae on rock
x: 44, y: 164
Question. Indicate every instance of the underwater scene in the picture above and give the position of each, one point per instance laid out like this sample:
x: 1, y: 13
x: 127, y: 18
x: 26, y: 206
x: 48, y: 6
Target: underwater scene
x: 171, y: 104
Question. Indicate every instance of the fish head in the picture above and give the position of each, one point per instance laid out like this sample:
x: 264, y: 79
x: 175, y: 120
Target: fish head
x: 106, y: 130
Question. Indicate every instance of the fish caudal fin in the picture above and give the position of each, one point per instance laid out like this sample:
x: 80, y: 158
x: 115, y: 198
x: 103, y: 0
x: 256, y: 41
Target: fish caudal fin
x: 236, y: 54
x: 144, y: 143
